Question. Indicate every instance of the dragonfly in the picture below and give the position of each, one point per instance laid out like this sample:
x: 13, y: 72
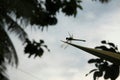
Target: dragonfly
x: 70, y: 39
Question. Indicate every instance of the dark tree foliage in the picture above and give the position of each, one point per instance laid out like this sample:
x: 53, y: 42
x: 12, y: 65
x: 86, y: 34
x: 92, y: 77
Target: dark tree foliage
x: 35, y: 48
x: 104, y: 68
x: 33, y: 12
x: 39, y: 12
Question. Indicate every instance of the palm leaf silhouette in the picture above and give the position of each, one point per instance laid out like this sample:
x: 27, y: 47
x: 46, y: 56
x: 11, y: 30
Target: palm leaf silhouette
x: 16, y: 28
x: 7, y: 49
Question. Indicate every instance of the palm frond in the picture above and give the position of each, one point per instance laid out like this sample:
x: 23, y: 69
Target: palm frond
x: 16, y: 28
x: 3, y: 77
x: 7, y: 48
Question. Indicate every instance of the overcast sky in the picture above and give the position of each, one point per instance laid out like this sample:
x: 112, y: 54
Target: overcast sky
x: 94, y: 23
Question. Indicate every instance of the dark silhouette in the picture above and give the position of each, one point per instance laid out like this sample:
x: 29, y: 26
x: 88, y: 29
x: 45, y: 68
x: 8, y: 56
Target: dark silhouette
x: 102, y: 47
x: 103, y: 42
x: 35, y: 48
x: 102, y: 1
x: 98, y: 60
x: 73, y: 39
x: 112, y: 47
x: 69, y: 39
x: 111, y: 44
x: 111, y: 71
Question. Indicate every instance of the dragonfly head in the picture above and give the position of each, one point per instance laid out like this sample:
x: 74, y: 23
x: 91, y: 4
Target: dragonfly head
x: 69, y: 38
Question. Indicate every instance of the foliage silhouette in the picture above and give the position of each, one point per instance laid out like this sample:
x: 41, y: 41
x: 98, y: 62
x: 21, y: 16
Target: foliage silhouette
x: 35, y: 48
x: 104, y: 68
x: 33, y: 12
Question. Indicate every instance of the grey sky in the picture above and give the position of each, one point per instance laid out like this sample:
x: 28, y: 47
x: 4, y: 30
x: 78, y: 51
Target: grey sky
x: 95, y: 23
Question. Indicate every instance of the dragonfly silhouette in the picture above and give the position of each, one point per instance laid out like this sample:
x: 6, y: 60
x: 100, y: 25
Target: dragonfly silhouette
x: 70, y: 39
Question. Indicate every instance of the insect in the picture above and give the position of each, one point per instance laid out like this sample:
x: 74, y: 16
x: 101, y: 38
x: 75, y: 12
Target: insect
x: 70, y: 39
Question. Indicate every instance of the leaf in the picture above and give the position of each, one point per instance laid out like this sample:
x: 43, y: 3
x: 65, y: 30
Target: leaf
x: 17, y: 29
x: 80, y: 7
x: 8, y: 50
